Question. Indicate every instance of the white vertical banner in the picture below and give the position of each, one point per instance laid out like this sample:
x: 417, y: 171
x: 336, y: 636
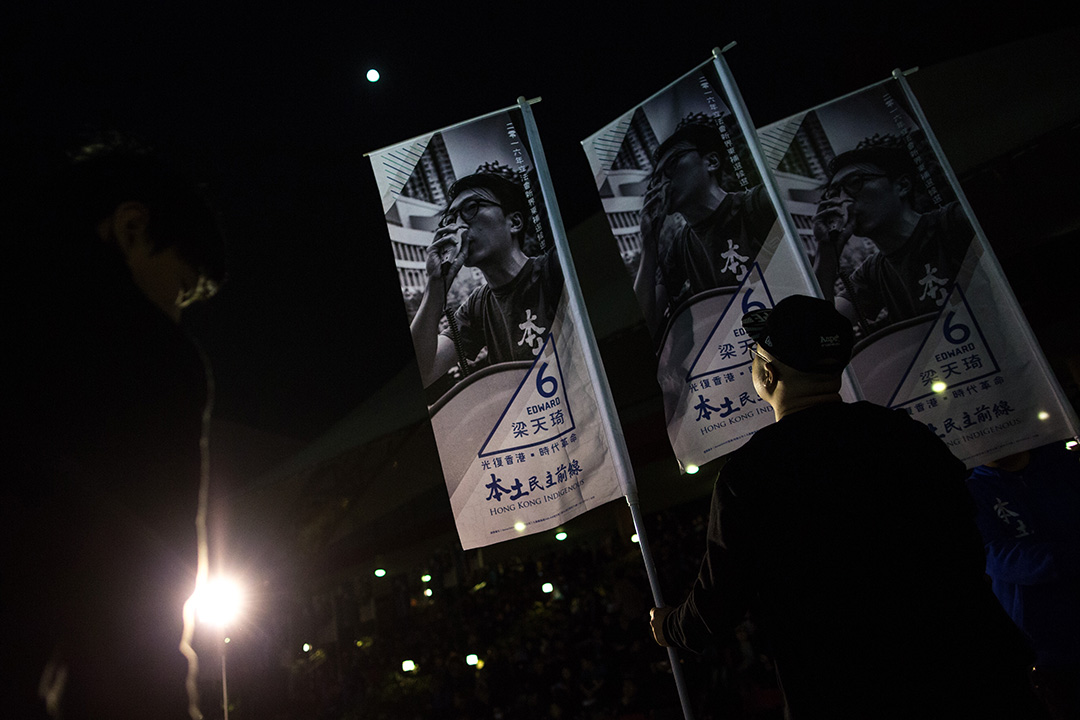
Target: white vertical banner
x: 512, y: 406
x: 895, y: 245
x: 699, y: 233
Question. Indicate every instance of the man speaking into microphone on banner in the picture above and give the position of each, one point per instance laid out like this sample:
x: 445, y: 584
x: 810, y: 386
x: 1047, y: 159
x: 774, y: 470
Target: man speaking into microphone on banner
x: 508, y: 316
x: 873, y: 192
x: 847, y: 534
x: 696, y: 235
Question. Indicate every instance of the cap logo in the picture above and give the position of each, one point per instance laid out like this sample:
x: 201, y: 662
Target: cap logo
x: 830, y: 340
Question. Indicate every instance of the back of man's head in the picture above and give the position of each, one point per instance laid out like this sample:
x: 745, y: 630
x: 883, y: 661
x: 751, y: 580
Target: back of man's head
x: 805, y: 333
x: 108, y: 172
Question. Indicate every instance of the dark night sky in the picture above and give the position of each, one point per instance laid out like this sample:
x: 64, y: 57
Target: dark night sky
x: 269, y: 105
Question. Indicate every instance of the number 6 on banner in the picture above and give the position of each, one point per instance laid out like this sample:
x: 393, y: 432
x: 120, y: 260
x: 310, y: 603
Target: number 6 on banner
x: 543, y: 382
x: 747, y: 305
x: 958, y: 333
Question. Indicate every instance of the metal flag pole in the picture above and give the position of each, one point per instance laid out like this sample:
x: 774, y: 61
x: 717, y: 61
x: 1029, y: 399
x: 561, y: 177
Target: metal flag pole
x: 990, y: 260
x: 738, y: 107
x: 608, y: 415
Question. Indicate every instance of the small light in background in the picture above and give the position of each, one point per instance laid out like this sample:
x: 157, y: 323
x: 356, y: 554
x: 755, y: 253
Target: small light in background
x: 380, y: 573
x: 561, y: 535
x: 306, y: 647
x: 228, y: 640
x: 938, y: 387
x: 634, y: 538
x: 547, y: 587
x: 472, y: 659
x: 428, y: 592
x: 425, y: 578
x: 1043, y: 415
x: 692, y: 469
x: 407, y: 666
x: 1071, y: 444
x: 373, y: 75
x: 519, y: 526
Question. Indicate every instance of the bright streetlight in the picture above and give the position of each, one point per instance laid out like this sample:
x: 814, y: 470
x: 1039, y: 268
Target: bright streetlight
x: 218, y: 603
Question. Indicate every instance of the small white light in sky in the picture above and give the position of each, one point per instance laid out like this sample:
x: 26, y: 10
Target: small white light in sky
x: 380, y: 573
x: 428, y: 592
x: 1043, y: 415
x: 425, y: 578
x: 938, y: 387
x: 472, y: 659
x: 547, y: 587
x: 373, y: 75
x: 407, y: 666
x: 634, y: 538
x: 307, y: 647
x: 519, y: 526
x: 692, y: 469
x: 561, y: 535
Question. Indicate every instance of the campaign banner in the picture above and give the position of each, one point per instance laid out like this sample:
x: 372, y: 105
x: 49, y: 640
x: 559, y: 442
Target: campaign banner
x: 512, y: 407
x: 938, y: 331
x: 702, y: 240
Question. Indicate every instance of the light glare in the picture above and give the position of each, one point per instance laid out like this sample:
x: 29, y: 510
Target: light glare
x: 407, y: 666
x: 471, y: 659
x: 519, y: 526
x: 560, y: 536
x: 428, y: 592
x: 1043, y: 415
x: 938, y: 387
x: 425, y: 578
x: 219, y: 602
x: 380, y: 573
x: 692, y: 469
x: 373, y: 75
x: 634, y: 538
x: 547, y: 587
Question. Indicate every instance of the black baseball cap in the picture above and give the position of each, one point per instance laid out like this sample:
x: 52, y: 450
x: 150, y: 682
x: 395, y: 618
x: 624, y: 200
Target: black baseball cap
x: 806, y: 333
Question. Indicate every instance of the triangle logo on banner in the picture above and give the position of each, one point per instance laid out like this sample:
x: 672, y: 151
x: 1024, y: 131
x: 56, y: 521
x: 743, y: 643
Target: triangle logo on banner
x: 727, y: 346
x: 397, y: 165
x: 954, y: 352
x: 538, y: 412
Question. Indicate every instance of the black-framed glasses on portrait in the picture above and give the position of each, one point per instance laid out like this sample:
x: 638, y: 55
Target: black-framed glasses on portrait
x: 466, y: 211
x: 852, y: 185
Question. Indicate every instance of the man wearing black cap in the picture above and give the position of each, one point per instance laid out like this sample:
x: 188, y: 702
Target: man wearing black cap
x: 846, y: 532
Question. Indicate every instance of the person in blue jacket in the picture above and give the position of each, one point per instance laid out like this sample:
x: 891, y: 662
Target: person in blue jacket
x: 1029, y: 516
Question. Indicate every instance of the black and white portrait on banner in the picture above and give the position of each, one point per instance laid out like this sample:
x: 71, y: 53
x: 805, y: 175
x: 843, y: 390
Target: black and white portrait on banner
x: 509, y: 395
